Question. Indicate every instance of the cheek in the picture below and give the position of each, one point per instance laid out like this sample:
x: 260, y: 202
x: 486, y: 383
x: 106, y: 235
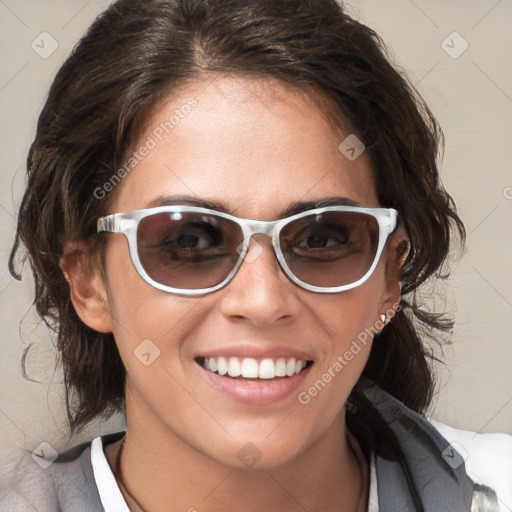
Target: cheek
x: 351, y: 314
x: 144, y: 319
x: 350, y: 319
x: 351, y: 343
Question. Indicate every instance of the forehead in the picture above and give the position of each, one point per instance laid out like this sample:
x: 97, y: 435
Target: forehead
x: 255, y: 144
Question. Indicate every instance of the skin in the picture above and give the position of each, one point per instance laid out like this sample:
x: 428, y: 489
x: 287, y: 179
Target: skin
x: 257, y: 145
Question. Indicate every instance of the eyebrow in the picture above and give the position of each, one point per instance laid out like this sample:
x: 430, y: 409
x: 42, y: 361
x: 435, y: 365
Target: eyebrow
x: 292, y: 208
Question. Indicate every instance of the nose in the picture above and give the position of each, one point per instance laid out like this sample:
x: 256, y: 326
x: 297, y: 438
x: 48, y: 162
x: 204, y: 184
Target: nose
x: 260, y: 292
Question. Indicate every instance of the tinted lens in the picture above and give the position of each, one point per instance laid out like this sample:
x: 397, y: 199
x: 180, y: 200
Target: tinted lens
x: 332, y: 248
x: 188, y: 250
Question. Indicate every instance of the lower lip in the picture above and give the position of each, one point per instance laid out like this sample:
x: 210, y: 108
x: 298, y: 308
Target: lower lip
x: 257, y: 392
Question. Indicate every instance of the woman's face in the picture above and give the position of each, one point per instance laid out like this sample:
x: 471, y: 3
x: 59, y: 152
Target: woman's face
x: 255, y: 146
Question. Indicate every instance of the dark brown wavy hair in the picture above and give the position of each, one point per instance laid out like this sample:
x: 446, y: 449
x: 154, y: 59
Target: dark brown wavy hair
x: 140, y: 51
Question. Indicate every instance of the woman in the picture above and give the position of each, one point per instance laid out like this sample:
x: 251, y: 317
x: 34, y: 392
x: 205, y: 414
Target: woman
x: 227, y: 203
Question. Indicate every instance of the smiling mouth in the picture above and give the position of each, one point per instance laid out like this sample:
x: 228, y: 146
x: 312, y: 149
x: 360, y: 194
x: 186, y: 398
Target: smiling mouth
x: 251, y: 369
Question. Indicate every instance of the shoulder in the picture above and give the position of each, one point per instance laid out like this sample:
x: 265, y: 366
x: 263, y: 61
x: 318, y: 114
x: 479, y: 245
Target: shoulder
x: 487, y: 458
x: 50, y: 482
x: 446, y: 468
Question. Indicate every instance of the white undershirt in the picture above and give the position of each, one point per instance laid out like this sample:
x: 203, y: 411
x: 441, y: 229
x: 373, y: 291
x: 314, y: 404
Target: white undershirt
x: 110, y: 494
x: 113, y: 500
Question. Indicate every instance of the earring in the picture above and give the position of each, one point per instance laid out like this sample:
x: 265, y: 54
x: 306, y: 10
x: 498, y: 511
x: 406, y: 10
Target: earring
x: 383, y: 318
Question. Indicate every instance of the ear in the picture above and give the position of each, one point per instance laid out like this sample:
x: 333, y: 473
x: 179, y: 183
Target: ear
x: 397, y: 249
x: 86, y: 286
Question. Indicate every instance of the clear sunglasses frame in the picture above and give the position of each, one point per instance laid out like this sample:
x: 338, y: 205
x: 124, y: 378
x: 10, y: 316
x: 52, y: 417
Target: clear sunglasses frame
x: 127, y: 224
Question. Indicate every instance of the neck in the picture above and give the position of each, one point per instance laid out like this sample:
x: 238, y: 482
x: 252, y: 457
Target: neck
x: 160, y: 471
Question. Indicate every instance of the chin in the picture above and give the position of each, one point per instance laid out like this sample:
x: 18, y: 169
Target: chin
x: 260, y: 453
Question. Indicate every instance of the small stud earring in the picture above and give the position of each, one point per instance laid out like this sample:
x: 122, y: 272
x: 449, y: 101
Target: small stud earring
x: 383, y: 318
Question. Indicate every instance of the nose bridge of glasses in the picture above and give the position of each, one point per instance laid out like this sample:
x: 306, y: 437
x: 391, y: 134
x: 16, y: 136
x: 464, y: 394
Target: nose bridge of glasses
x: 258, y: 227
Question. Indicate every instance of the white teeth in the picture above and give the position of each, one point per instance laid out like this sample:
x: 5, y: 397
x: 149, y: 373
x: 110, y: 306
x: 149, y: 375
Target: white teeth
x: 281, y: 367
x: 290, y: 367
x: 222, y: 365
x: 234, y: 367
x: 267, y: 369
x: 251, y: 368
x: 212, y: 363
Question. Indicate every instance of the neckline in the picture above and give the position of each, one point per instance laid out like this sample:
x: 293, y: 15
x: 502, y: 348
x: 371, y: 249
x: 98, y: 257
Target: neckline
x: 113, y: 498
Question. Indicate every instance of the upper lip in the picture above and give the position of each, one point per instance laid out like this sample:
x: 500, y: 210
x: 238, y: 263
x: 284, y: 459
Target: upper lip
x: 257, y: 351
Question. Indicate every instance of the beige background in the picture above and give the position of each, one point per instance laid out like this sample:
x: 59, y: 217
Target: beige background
x: 472, y: 97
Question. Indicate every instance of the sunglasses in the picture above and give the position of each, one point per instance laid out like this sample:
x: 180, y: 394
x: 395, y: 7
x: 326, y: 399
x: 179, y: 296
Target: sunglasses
x: 192, y: 251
